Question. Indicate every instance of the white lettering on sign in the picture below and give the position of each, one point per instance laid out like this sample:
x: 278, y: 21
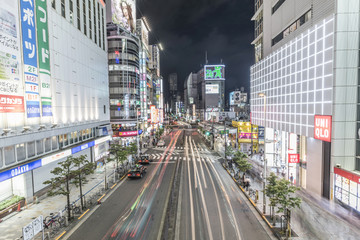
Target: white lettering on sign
x: 322, y: 128
x: 19, y: 170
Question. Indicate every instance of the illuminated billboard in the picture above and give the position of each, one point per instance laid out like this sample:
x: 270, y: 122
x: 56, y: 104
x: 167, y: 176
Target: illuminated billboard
x: 212, y: 89
x: 123, y: 12
x: 214, y: 72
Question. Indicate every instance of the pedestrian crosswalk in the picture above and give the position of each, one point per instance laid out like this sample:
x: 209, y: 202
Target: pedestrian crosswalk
x: 156, y: 157
x: 182, y: 148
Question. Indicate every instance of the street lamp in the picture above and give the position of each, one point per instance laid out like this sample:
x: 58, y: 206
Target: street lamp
x: 265, y: 159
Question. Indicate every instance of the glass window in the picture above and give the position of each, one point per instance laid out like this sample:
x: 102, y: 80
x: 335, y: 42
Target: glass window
x: 102, y: 26
x: 39, y: 147
x: 54, y: 143
x: 90, y: 24
x: 84, y: 16
x: 65, y: 140
x: 20, y: 152
x: 31, y: 149
x: 94, y: 16
x: 78, y: 14
x: 75, y: 136
x: 9, y: 155
x: 71, y: 6
x: 53, y: 4
x: 70, y: 136
x: 99, y: 26
x: 1, y: 159
x: 47, y: 144
x: 63, y: 8
x: 93, y: 132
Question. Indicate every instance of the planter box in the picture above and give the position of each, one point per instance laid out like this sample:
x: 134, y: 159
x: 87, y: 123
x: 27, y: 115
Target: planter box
x: 11, y: 209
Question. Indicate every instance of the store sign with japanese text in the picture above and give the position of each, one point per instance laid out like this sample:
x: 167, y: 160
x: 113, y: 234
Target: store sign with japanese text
x: 32, y: 97
x: 128, y: 134
x: 322, y: 127
x: 19, y: 170
x: 294, y: 158
x: 44, y: 57
x: 11, y: 86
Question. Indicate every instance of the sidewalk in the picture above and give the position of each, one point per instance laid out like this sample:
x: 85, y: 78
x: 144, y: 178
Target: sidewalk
x: 316, y: 219
x: 11, y: 227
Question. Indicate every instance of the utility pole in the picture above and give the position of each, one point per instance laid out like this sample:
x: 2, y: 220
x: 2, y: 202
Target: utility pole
x: 265, y: 158
x: 225, y: 136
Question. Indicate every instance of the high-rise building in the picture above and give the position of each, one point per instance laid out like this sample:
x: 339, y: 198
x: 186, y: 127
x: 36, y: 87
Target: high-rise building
x: 173, y: 87
x: 307, y: 77
x: 54, y: 91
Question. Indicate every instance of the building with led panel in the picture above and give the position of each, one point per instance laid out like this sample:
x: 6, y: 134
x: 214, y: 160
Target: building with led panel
x: 306, y: 79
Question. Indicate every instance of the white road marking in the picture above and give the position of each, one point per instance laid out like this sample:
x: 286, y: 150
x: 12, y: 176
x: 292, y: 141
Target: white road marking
x: 192, y: 218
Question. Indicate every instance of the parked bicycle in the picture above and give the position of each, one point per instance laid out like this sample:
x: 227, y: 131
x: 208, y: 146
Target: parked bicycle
x: 54, y: 221
x: 75, y: 210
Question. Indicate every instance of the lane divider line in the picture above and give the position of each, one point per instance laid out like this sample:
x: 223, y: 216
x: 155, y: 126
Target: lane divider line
x: 83, y: 214
x: 62, y: 234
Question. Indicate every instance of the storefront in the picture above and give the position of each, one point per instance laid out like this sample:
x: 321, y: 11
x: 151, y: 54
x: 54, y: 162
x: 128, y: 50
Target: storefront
x: 347, y: 188
x: 247, y: 136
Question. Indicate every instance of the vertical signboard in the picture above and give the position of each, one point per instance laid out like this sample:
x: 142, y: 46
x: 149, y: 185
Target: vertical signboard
x: 322, y: 128
x: 11, y: 86
x: 30, y: 58
x: 294, y: 158
x: 44, y: 57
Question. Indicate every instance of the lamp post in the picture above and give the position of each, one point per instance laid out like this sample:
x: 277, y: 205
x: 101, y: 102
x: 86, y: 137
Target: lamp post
x: 265, y: 159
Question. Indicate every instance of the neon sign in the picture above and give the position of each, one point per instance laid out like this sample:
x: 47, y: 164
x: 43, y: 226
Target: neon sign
x: 214, y: 72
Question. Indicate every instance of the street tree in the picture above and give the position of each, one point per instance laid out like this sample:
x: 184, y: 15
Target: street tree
x: 229, y: 152
x: 120, y: 154
x: 270, y: 191
x: 83, y: 168
x: 240, y: 159
x: 60, y: 184
x: 132, y: 149
x: 286, y: 200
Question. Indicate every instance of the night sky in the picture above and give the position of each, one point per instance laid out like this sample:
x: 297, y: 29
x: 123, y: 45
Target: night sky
x: 188, y: 28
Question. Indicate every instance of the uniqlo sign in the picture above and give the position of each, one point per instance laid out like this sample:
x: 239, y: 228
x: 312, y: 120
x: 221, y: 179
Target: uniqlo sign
x: 294, y: 158
x: 322, y: 128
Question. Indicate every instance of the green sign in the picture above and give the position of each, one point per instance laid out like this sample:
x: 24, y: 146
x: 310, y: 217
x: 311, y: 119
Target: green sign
x: 44, y: 56
x: 222, y: 131
x: 214, y: 72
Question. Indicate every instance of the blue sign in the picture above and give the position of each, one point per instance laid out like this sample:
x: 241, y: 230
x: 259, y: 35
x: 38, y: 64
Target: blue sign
x: 82, y: 147
x: 32, y: 109
x: 46, y: 110
x: 140, y: 131
x: 28, y: 33
x: 105, y: 131
x: 19, y: 170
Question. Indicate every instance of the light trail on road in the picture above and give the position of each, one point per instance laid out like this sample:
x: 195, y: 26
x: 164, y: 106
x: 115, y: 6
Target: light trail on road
x: 137, y: 216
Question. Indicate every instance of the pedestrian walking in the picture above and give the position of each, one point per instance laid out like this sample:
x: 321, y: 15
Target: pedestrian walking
x: 247, y: 184
x: 291, y: 179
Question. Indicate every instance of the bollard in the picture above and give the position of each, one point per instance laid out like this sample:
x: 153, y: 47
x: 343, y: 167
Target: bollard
x: 66, y: 222
x: 256, y: 196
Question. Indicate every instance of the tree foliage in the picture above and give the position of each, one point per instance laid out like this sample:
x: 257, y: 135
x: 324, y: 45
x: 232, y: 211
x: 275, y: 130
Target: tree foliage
x: 240, y: 159
x: 120, y: 154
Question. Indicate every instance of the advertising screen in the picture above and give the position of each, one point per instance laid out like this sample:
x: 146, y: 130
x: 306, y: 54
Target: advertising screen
x: 123, y: 12
x: 212, y: 89
x: 231, y: 98
x: 214, y: 72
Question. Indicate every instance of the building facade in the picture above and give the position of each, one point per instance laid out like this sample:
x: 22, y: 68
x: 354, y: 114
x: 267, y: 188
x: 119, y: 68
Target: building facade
x: 57, y: 105
x: 307, y: 81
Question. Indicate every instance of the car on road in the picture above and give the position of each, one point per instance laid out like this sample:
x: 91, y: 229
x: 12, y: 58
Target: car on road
x: 161, y: 143
x: 144, y: 159
x: 137, y: 172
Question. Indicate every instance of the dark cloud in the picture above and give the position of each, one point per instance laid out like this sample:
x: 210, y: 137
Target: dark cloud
x: 187, y: 29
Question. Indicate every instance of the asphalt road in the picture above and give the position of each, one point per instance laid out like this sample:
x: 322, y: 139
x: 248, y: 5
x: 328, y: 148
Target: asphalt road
x: 136, y: 208
x: 211, y: 206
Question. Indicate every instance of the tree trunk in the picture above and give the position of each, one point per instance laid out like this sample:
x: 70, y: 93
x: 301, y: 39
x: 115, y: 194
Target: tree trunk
x: 68, y: 197
x: 81, y: 195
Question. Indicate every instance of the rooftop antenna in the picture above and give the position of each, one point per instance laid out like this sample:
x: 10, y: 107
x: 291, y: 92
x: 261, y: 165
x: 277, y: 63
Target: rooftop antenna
x: 221, y: 60
x: 206, y: 59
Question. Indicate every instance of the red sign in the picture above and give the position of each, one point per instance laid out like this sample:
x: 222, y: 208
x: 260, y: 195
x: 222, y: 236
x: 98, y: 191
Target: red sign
x: 322, y: 128
x: 11, y: 104
x: 349, y: 175
x: 293, y: 158
x: 128, y: 134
